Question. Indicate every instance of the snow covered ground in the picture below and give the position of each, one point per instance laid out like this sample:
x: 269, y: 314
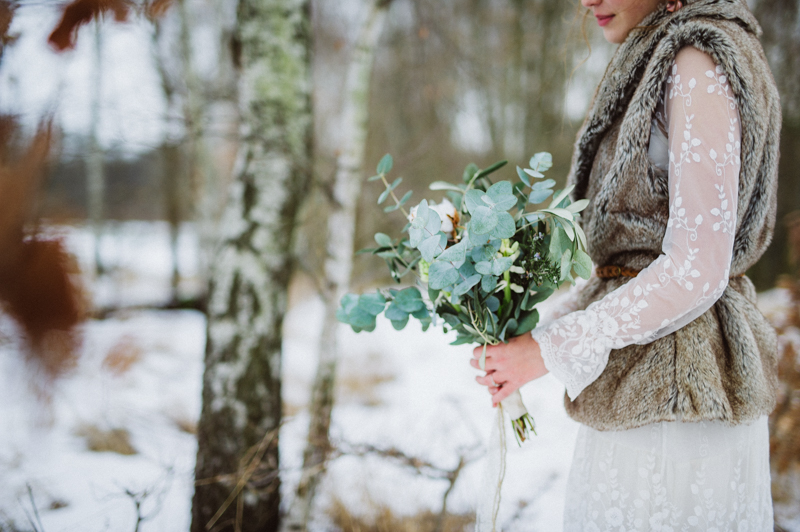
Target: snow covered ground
x: 141, y: 371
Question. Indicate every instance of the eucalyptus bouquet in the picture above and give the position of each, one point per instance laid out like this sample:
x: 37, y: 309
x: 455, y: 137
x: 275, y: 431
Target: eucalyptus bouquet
x: 483, y: 259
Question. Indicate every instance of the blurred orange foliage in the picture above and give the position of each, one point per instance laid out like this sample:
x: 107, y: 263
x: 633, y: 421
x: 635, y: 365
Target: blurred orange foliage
x: 39, y: 284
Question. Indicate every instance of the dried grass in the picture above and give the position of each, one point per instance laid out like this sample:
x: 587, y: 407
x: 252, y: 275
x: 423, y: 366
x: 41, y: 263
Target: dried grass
x: 359, y: 381
x: 122, y: 356
x: 102, y: 441
x: 384, y: 520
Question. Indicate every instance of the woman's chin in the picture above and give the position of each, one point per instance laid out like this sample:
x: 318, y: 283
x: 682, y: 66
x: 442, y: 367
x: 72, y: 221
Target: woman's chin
x: 613, y: 35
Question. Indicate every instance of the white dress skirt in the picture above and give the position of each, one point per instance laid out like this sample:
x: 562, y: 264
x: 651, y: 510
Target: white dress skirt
x: 669, y: 476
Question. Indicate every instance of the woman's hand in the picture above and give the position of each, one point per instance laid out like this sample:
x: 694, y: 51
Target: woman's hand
x: 509, y: 366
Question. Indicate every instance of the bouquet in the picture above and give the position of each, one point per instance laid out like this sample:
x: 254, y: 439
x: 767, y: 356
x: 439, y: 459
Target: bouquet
x: 483, y: 258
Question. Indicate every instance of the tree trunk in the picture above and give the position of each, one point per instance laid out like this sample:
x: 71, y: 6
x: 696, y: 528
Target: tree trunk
x: 95, y: 181
x: 237, y: 474
x: 202, y: 176
x: 339, y: 261
x: 172, y: 167
x: 779, y: 19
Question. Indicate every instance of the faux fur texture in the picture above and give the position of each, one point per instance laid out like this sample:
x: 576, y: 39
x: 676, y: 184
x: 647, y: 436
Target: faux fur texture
x: 722, y: 366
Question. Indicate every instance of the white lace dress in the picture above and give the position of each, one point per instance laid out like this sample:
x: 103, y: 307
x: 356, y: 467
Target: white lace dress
x: 669, y: 476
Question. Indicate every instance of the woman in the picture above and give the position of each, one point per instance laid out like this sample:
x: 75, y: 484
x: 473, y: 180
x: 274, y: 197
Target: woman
x: 668, y: 364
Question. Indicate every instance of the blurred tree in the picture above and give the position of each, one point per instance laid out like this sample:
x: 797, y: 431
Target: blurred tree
x: 779, y: 21
x: 95, y: 177
x: 339, y: 261
x: 237, y: 471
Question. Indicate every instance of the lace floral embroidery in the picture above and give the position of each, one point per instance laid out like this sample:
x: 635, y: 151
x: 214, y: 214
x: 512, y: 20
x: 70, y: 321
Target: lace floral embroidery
x: 687, y: 278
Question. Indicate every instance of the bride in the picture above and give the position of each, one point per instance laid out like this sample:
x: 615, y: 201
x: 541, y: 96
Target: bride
x: 668, y: 365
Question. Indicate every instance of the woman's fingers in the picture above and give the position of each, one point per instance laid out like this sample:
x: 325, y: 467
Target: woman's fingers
x: 490, y: 379
x: 502, y: 393
x: 490, y: 365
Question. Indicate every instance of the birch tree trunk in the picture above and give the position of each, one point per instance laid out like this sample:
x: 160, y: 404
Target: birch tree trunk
x: 172, y: 171
x: 339, y: 260
x: 237, y: 474
x: 95, y: 180
x: 199, y: 167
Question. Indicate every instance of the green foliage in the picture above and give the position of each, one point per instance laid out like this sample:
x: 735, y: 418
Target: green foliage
x: 483, y: 257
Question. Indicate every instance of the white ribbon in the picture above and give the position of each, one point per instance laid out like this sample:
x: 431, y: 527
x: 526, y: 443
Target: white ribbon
x: 495, y: 466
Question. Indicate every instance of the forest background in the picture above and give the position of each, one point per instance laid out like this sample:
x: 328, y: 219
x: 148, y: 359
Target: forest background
x: 172, y: 145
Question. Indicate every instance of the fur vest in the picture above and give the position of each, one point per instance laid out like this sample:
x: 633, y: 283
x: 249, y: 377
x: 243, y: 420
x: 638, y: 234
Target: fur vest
x: 722, y: 366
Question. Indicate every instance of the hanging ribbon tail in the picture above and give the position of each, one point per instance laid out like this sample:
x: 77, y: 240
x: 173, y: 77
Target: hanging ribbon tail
x: 493, y: 474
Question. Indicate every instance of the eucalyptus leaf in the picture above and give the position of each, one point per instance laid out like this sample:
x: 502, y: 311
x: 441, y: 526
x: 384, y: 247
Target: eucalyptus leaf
x: 421, y: 314
x: 394, y: 313
x: 523, y: 176
x: 483, y: 221
x: 582, y: 264
x: 558, y: 242
x: 444, y: 185
x: 578, y: 206
x: 362, y: 319
x: 484, y: 267
x: 434, y: 223
x: 560, y: 196
x: 541, y: 161
x: 441, y: 274
x: 534, y: 173
x: 581, y: 236
x: 501, y: 265
x: 467, y: 269
x: 372, y: 303
x: 488, y: 284
x: 452, y: 320
x: 482, y: 253
x: 566, y: 263
x: 406, y: 197
x: 505, y: 227
x: 461, y: 340
x: 509, y: 328
x: 474, y: 199
x: 467, y: 284
x: 557, y: 211
x: 469, y: 172
x: 492, y: 303
x: 409, y: 300
x: 538, y: 196
x: 455, y: 254
x: 349, y: 302
x: 432, y: 246
x: 384, y: 195
x: 383, y: 240
x: 547, y: 183
x: 385, y: 164
x: 568, y: 228
x: 478, y: 240
x: 399, y: 325
x: 527, y: 322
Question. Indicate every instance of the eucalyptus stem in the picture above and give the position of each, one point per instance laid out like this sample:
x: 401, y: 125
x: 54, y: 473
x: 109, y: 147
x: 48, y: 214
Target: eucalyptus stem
x: 396, y: 201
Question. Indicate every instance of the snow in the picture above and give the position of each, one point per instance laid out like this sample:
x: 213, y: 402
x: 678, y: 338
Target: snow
x: 399, y: 389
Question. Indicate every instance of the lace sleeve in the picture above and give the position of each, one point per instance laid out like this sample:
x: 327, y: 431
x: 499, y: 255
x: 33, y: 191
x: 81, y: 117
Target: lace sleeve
x: 691, y: 274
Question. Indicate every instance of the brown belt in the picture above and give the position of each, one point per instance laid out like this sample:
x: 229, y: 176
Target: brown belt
x: 612, y: 271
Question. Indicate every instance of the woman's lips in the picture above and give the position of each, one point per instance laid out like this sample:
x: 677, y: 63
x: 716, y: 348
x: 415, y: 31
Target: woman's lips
x: 602, y: 20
